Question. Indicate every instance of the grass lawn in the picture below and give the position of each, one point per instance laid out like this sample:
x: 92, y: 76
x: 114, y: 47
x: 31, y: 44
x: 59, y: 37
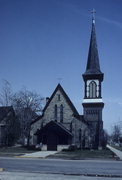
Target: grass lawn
x: 77, y: 154
x: 14, y: 151
x: 84, y: 154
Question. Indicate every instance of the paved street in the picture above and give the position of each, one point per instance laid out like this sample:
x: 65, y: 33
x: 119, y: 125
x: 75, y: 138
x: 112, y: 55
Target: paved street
x: 69, y: 167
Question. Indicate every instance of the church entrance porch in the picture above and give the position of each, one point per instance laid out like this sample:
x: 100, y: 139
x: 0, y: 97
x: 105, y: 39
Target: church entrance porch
x: 54, y: 134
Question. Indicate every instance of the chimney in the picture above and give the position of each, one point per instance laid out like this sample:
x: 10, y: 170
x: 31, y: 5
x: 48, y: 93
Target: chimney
x: 47, y: 99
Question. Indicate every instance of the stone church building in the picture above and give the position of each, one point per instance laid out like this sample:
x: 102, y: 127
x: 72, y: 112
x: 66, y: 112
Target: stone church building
x: 60, y: 124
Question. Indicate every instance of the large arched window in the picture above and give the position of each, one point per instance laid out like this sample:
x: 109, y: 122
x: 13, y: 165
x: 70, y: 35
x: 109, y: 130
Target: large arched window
x: 55, y: 112
x: 92, y: 90
x: 61, y: 113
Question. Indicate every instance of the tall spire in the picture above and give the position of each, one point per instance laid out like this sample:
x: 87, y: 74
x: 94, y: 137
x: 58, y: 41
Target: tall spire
x: 93, y: 66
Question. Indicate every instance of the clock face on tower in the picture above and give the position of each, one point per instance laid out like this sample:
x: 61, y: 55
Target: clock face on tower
x: 92, y: 89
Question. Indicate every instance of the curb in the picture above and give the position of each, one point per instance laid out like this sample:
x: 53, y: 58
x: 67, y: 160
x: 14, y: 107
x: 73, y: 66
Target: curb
x: 28, y: 157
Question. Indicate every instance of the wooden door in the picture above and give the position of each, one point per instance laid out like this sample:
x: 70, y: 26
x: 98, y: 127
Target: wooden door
x: 52, y: 142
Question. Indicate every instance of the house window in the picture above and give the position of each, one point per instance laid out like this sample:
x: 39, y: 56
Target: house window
x: 92, y: 90
x: 55, y: 112
x: 61, y: 113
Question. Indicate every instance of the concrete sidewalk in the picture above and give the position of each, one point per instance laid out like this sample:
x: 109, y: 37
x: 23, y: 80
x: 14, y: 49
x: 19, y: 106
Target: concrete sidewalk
x: 39, y: 154
x: 116, y: 151
x: 32, y: 176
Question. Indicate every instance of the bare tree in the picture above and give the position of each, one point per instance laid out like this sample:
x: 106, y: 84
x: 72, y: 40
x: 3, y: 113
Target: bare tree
x: 105, y: 139
x: 116, y: 132
x: 6, y: 94
x: 27, y: 105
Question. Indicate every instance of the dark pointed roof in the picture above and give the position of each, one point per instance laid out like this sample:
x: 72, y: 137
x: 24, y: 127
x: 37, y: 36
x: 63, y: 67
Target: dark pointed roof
x: 93, y: 66
x: 59, y: 87
x: 56, y: 127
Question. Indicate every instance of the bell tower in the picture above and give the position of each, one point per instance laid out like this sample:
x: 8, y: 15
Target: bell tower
x: 92, y: 102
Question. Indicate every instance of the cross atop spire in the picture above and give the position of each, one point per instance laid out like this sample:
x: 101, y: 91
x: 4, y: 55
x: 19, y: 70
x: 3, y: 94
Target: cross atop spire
x: 93, y: 15
x: 59, y: 80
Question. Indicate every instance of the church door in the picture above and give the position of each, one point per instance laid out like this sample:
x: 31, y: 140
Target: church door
x: 52, y: 142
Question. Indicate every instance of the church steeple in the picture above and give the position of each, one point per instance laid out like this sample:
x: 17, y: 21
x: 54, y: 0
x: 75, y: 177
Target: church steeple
x: 93, y: 65
x: 93, y: 58
x: 92, y: 102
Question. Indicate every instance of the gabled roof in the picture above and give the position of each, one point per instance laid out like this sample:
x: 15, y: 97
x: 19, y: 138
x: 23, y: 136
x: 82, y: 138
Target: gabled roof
x: 93, y: 66
x: 37, y: 119
x: 4, y: 112
x: 55, y: 127
x: 63, y: 128
x: 59, y: 87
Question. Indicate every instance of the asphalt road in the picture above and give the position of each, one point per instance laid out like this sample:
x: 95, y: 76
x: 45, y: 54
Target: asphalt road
x: 69, y: 167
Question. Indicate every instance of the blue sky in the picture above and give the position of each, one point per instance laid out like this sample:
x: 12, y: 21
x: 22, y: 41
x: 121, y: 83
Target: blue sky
x: 43, y: 40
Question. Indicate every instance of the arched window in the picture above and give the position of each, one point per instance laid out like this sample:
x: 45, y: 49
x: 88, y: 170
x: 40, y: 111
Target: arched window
x: 71, y: 127
x: 61, y: 113
x: 92, y: 90
x: 59, y: 98
x: 55, y: 112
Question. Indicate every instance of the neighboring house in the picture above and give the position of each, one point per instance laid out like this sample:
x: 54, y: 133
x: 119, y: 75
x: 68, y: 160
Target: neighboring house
x: 61, y: 125
x: 7, y: 116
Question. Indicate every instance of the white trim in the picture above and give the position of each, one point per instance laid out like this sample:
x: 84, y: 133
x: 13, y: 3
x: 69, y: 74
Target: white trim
x: 95, y: 80
x: 92, y: 100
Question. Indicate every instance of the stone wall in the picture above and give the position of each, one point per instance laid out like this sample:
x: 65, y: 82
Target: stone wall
x: 73, y: 124
x: 49, y: 115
